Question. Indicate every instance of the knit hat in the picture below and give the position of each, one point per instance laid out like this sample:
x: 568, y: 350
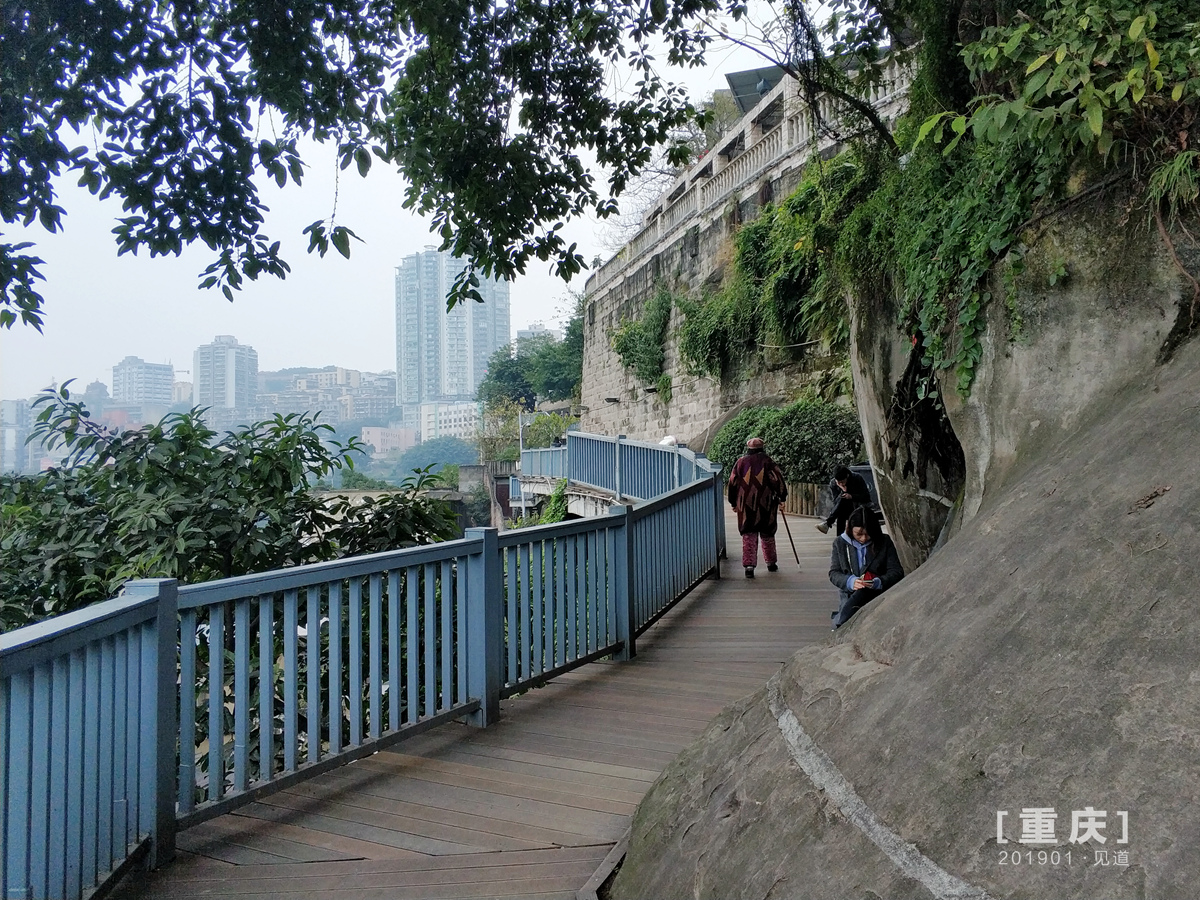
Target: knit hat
x: 755, y: 443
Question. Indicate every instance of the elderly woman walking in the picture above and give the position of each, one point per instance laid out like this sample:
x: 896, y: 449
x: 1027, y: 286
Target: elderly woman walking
x: 756, y: 489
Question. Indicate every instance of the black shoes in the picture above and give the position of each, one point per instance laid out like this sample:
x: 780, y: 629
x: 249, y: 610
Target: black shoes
x: 772, y: 568
x: 749, y: 571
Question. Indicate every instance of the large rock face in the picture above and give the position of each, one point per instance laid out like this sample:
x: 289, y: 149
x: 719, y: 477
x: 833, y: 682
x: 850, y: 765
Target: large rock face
x: 1043, y: 658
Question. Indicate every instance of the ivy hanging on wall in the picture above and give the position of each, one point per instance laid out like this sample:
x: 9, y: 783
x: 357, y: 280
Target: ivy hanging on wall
x: 641, y: 342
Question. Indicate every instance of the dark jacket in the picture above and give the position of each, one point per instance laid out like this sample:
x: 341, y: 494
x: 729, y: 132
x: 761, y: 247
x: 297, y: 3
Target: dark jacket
x: 856, y: 487
x: 882, y: 561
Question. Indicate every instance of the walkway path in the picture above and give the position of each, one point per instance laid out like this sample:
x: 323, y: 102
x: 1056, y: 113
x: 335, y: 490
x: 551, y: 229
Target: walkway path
x: 531, y: 806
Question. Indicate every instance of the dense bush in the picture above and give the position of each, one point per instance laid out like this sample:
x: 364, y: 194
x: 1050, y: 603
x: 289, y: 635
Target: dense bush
x: 177, y: 500
x: 807, y: 439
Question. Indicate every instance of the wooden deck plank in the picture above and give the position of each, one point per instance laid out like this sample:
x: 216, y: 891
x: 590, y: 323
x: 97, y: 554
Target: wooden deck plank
x: 257, y: 835
x: 443, y: 771
x: 373, y: 818
x: 510, y: 879
x: 484, y: 803
x: 566, y: 775
x: 402, y: 868
x: 494, y: 834
x: 312, y: 833
x: 529, y: 807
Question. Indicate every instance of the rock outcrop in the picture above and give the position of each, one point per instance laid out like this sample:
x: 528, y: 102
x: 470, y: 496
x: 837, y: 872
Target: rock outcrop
x: 1043, y: 658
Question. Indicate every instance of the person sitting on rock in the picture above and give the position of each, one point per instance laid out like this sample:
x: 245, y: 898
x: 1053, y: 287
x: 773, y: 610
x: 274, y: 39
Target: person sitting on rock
x: 864, y: 564
x: 849, y: 492
x: 756, y: 489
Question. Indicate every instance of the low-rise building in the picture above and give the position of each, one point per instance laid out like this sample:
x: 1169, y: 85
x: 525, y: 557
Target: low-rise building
x: 460, y: 420
x: 388, y: 440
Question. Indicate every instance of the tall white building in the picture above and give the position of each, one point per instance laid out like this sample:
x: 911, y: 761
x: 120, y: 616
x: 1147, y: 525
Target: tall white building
x: 137, y: 381
x: 15, y: 422
x: 440, y: 356
x: 225, y: 374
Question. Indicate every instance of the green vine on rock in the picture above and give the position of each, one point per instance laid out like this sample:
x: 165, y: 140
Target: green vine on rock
x: 1081, y: 88
x: 640, y: 342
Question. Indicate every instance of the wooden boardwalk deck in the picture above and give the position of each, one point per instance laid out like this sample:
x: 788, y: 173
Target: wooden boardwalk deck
x: 531, y: 806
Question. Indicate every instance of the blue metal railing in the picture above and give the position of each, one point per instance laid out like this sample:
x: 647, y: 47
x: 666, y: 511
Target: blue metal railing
x: 283, y: 675
x: 550, y: 462
x: 631, y: 469
x: 87, y: 744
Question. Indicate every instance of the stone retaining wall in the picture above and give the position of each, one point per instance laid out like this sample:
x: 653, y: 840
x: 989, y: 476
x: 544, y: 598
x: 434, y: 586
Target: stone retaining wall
x: 685, y: 243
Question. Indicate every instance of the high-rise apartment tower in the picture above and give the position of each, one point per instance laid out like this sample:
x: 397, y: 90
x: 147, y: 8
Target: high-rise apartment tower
x: 443, y: 356
x: 137, y: 381
x: 225, y: 374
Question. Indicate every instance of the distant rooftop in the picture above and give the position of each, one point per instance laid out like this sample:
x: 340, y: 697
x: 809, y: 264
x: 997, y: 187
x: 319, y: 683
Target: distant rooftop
x: 752, y: 85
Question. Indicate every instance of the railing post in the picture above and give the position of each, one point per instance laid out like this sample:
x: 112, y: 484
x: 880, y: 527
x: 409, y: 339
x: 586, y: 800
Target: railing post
x: 624, y: 583
x: 159, y: 711
x: 718, y: 486
x: 484, y: 626
x: 617, y: 466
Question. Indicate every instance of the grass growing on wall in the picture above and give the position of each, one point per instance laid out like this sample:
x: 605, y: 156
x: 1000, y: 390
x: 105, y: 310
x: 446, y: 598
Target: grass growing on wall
x: 784, y: 289
x: 640, y: 342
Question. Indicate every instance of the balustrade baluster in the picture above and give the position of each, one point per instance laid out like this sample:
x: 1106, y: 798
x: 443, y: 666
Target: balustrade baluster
x: 560, y: 601
x: 395, y: 644
x: 107, y: 855
x: 312, y: 665
x: 537, y: 570
x: 216, y: 702
x: 460, y: 596
x: 375, y: 641
x: 241, y: 694
x: 510, y: 629
x: 187, y: 710
x: 430, y: 639
x: 20, y: 799
x: 447, y: 606
x: 73, y: 788
x: 121, y: 750
x: 525, y: 599
x: 335, y: 668
x: 291, y: 684
x: 90, y: 752
x: 354, y: 621
x: 266, y: 688
x: 572, y: 591
x: 412, y: 636
x: 593, y: 591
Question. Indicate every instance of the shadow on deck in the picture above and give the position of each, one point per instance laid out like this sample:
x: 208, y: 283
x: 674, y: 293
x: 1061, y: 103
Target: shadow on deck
x: 531, y: 806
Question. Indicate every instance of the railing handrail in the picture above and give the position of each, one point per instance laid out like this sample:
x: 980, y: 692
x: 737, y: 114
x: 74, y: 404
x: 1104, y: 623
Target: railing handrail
x: 26, y: 647
x: 240, y: 586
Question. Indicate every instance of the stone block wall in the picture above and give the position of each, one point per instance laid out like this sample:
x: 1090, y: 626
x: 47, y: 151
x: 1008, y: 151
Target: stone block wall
x: 686, y: 243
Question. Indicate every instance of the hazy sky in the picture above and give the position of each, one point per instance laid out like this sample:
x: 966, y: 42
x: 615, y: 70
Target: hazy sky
x: 101, y: 308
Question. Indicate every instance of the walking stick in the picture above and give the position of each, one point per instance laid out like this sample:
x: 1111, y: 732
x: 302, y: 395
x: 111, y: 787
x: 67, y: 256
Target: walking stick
x: 789, y: 534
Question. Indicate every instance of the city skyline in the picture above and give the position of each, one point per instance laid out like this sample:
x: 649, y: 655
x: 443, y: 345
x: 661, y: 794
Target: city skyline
x: 101, y: 307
